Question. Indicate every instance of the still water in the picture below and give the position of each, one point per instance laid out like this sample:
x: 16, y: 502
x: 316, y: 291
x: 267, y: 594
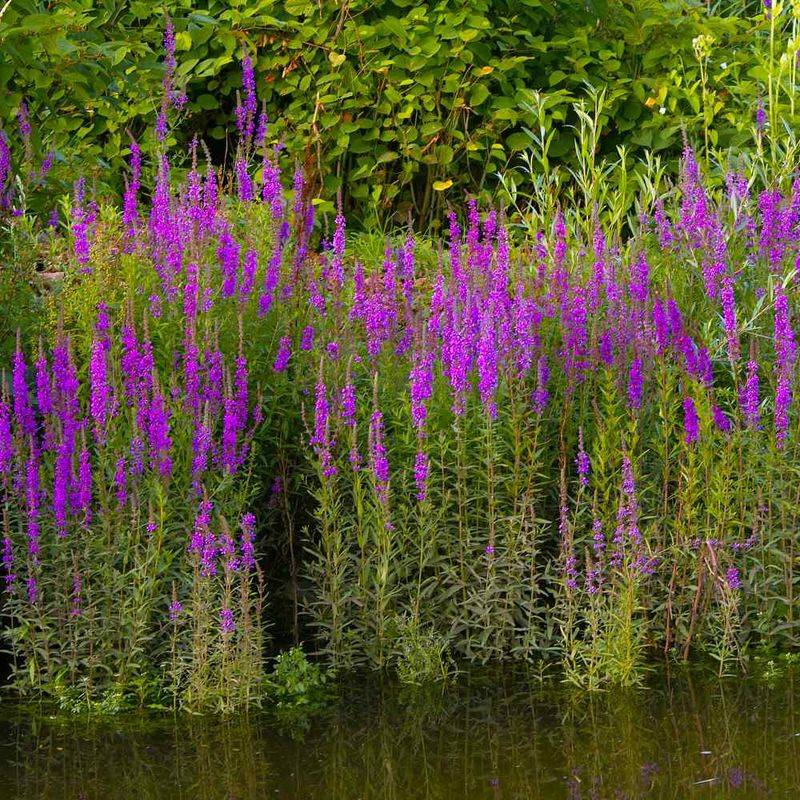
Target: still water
x: 491, y: 736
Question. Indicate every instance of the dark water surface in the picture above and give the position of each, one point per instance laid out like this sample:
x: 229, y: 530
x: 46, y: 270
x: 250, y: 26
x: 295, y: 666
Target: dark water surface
x: 491, y: 736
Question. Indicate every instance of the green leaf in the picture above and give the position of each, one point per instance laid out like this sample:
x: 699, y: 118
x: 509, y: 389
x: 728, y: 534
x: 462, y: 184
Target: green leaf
x: 478, y: 94
x: 518, y: 141
x: 337, y: 59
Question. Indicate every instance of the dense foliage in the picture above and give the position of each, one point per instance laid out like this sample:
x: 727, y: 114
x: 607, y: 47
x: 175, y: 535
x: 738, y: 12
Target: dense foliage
x: 393, y: 102
x: 563, y: 434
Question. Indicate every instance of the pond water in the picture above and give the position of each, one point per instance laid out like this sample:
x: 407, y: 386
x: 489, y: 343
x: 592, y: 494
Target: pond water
x: 493, y: 735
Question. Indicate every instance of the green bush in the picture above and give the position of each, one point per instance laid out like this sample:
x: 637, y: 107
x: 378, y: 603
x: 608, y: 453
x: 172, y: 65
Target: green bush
x: 402, y: 104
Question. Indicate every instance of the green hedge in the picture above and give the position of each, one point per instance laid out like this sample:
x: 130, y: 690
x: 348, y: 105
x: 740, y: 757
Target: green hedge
x: 393, y: 99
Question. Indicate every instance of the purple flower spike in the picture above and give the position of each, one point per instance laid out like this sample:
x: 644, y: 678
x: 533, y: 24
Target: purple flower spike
x: 582, y: 461
x: 691, y: 422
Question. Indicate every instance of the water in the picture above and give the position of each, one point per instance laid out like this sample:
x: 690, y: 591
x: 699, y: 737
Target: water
x: 492, y: 736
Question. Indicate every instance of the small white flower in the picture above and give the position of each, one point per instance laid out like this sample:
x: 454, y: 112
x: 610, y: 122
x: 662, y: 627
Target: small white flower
x: 662, y: 110
x: 724, y: 65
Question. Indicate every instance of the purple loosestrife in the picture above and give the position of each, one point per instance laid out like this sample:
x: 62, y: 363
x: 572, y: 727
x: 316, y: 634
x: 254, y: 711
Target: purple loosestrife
x: 226, y: 622
x: 627, y: 530
x: 348, y: 405
x: 421, y: 386
x: 137, y: 449
x: 201, y: 522
x: 526, y: 320
x: 319, y: 440
x: 541, y: 396
x: 82, y: 487
x: 737, y: 185
x: 5, y: 170
x: 156, y: 306
x: 761, y: 114
x: 576, y: 335
x: 283, y: 355
x: 783, y: 401
x: 62, y: 480
x: 210, y: 207
x: 705, y: 369
x: 272, y: 190
x: 46, y: 166
x: 598, y: 538
x: 560, y: 233
x: 263, y: 129
x: 748, y: 399
x: 784, y: 338
x: 102, y: 325
x: 208, y: 553
x: 337, y: 260
x: 487, y: 363
x: 33, y: 590
x: 660, y: 326
x: 598, y: 277
x: 44, y: 395
x: 691, y: 423
x: 635, y: 383
x: 203, y: 543
x: 785, y: 359
x: 130, y: 203
x: 271, y: 280
x: 190, y: 292
x: 130, y: 364
x: 191, y: 373
x: 158, y: 434
x: 250, y: 98
x: 230, y: 435
x: 101, y: 400
x: 171, y: 97
x: 8, y: 564
x: 567, y: 550
x: 421, y: 475
x: 248, y: 538
x: 628, y: 482
x: 121, y: 481
x: 457, y: 356
x: 33, y: 496
x: 6, y: 440
x: 732, y: 579
x: 640, y: 279
x: 307, y: 338
x: 378, y: 460
x: 605, y: 348
x: 729, y: 318
x: 582, y: 462
x: 249, y: 270
x: 175, y: 610
x: 244, y: 183
x: 201, y: 449
x: 26, y: 419
x: 227, y: 552
x: 721, y: 421
x: 228, y: 255
x: 80, y: 225
x: 241, y: 393
x: 214, y: 380
x: 774, y: 232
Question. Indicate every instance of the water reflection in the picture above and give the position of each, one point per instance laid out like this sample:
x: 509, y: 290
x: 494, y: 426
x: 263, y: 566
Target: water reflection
x: 495, y: 736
